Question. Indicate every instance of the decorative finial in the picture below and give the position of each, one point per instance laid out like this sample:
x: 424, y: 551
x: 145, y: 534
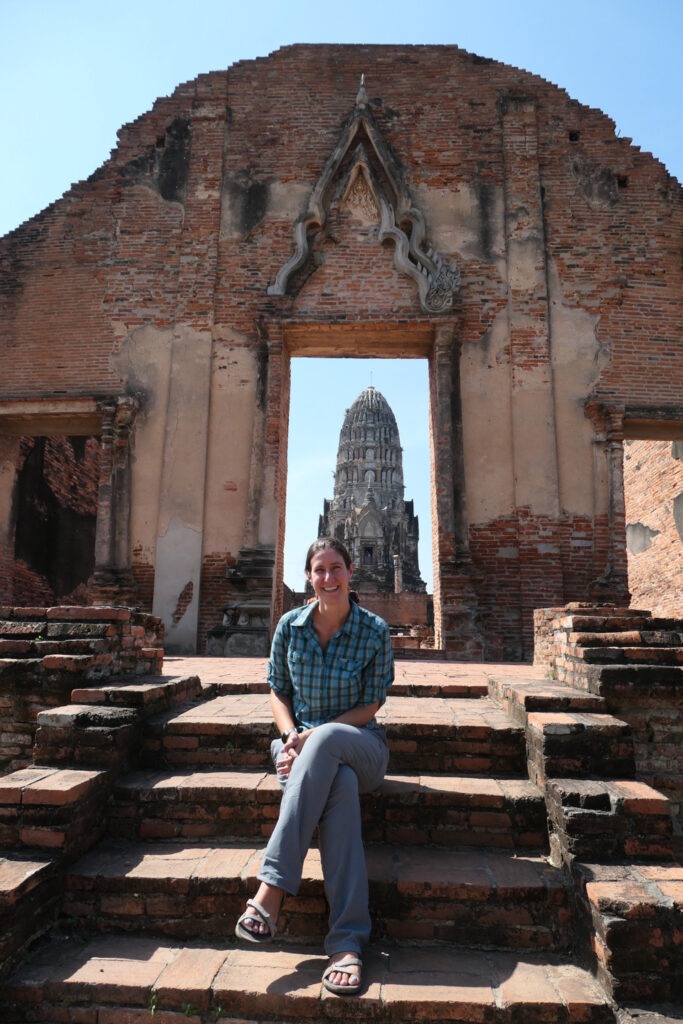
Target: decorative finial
x: 362, y: 97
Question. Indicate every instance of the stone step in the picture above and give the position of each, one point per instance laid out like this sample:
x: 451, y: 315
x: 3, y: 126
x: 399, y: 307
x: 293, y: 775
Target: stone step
x: 623, y: 683
x: 102, y: 727
x: 436, y: 735
x: 57, y: 809
x: 413, y: 677
x: 475, y: 898
x: 619, y: 819
x: 412, y: 809
x: 579, y: 745
x: 629, y: 638
x: 20, y: 648
x: 519, y: 697
x: 604, y: 619
x: 136, y: 979
x: 30, y: 897
x: 629, y: 655
x: 636, y: 912
x: 149, y: 693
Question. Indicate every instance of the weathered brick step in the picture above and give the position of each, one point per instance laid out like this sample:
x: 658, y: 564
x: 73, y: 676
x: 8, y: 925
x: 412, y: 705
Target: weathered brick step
x: 623, y: 682
x: 445, y: 810
x: 637, y: 917
x: 410, y: 681
x: 30, y: 895
x: 520, y: 696
x: 630, y: 638
x: 480, y: 898
x: 20, y: 648
x: 579, y: 744
x: 52, y: 808
x: 618, y: 819
x: 437, y: 735
x: 200, y: 983
x: 642, y: 655
x: 103, y: 726
x: 146, y: 692
x: 413, y: 677
x: 607, y: 620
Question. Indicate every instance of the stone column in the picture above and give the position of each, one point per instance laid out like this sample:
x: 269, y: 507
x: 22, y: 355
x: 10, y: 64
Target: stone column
x: 456, y: 612
x: 112, y: 581
x: 611, y: 585
x: 9, y: 460
x: 534, y: 441
x: 180, y: 525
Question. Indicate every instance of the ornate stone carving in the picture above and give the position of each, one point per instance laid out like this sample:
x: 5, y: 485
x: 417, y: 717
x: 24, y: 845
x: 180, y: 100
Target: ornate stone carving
x: 363, y: 168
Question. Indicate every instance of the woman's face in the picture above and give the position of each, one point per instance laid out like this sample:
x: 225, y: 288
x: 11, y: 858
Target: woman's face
x: 329, y: 576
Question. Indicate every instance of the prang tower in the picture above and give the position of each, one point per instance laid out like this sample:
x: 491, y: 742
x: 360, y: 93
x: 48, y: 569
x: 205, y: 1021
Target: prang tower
x: 368, y: 511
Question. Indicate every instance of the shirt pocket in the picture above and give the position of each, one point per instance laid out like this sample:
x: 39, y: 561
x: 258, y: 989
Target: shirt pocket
x: 351, y: 676
x: 298, y: 661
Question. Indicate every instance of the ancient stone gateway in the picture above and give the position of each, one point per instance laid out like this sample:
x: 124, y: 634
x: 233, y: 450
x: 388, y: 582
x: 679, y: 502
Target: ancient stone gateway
x: 446, y: 208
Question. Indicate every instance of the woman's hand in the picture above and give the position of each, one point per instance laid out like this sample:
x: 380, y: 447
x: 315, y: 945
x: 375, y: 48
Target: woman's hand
x: 291, y: 750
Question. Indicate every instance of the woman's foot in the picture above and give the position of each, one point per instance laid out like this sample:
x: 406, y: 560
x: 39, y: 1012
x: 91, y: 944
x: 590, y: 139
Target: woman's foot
x: 343, y: 973
x: 258, y: 923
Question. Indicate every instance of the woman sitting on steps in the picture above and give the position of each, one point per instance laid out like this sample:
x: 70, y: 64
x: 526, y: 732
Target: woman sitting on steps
x: 329, y: 670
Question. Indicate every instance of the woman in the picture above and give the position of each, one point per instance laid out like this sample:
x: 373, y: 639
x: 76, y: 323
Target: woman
x: 329, y: 670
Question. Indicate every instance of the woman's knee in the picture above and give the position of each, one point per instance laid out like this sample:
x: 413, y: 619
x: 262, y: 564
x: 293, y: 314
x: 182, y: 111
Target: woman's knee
x: 326, y: 738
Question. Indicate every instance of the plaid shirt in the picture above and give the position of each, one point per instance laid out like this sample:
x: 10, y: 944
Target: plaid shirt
x: 356, y: 668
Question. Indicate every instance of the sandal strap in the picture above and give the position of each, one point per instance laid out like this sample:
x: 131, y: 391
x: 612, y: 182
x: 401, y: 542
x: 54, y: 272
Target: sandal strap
x: 264, y: 915
x: 343, y: 967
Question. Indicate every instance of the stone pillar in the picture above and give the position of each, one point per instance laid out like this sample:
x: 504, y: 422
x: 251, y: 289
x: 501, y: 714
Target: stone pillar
x: 611, y: 585
x: 256, y: 601
x: 112, y: 582
x: 9, y: 461
x: 398, y: 575
x: 534, y: 442
x: 456, y: 611
x: 180, y: 526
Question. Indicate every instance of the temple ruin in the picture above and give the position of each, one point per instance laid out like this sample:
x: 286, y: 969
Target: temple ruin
x: 442, y: 207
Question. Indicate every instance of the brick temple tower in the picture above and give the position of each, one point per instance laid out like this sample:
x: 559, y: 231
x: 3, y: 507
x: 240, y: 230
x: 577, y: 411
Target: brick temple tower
x: 368, y: 511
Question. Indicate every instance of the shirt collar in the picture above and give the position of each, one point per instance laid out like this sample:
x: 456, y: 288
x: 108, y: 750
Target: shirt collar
x: 304, y: 616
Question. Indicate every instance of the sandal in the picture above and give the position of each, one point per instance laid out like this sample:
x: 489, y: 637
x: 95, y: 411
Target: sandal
x: 343, y: 966
x: 261, y: 916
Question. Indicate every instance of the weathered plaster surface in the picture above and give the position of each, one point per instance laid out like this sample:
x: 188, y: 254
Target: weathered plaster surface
x: 577, y: 359
x: 178, y: 553
x: 233, y: 398
x: 467, y: 221
x: 143, y: 360
x: 487, y: 425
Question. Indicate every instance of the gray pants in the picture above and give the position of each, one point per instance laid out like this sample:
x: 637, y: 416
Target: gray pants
x: 336, y: 764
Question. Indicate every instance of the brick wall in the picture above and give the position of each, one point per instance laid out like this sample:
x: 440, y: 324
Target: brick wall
x: 567, y: 239
x: 48, y: 652
x: 653, y: 479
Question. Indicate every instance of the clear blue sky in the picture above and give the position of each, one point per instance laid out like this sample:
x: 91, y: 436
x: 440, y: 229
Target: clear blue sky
x: 73, y: 71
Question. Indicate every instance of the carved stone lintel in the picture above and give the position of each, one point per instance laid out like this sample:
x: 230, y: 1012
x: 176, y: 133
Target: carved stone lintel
x: 362, y: 150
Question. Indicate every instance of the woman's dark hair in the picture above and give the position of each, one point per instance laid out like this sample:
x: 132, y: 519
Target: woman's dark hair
x: 322, y: 544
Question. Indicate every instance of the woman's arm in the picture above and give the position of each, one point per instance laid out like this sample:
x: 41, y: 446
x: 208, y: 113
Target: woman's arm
x: 283, y: 711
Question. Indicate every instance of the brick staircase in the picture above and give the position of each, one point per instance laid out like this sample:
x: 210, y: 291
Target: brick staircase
x: 520, y: 869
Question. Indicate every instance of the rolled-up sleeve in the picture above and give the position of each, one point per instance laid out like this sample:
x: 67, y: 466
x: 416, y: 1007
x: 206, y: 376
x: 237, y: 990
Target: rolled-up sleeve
x: 277, y: 674
x: 378, y: 674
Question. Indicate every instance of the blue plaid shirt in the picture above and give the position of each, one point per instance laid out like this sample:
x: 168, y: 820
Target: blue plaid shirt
x: 356, y: 669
